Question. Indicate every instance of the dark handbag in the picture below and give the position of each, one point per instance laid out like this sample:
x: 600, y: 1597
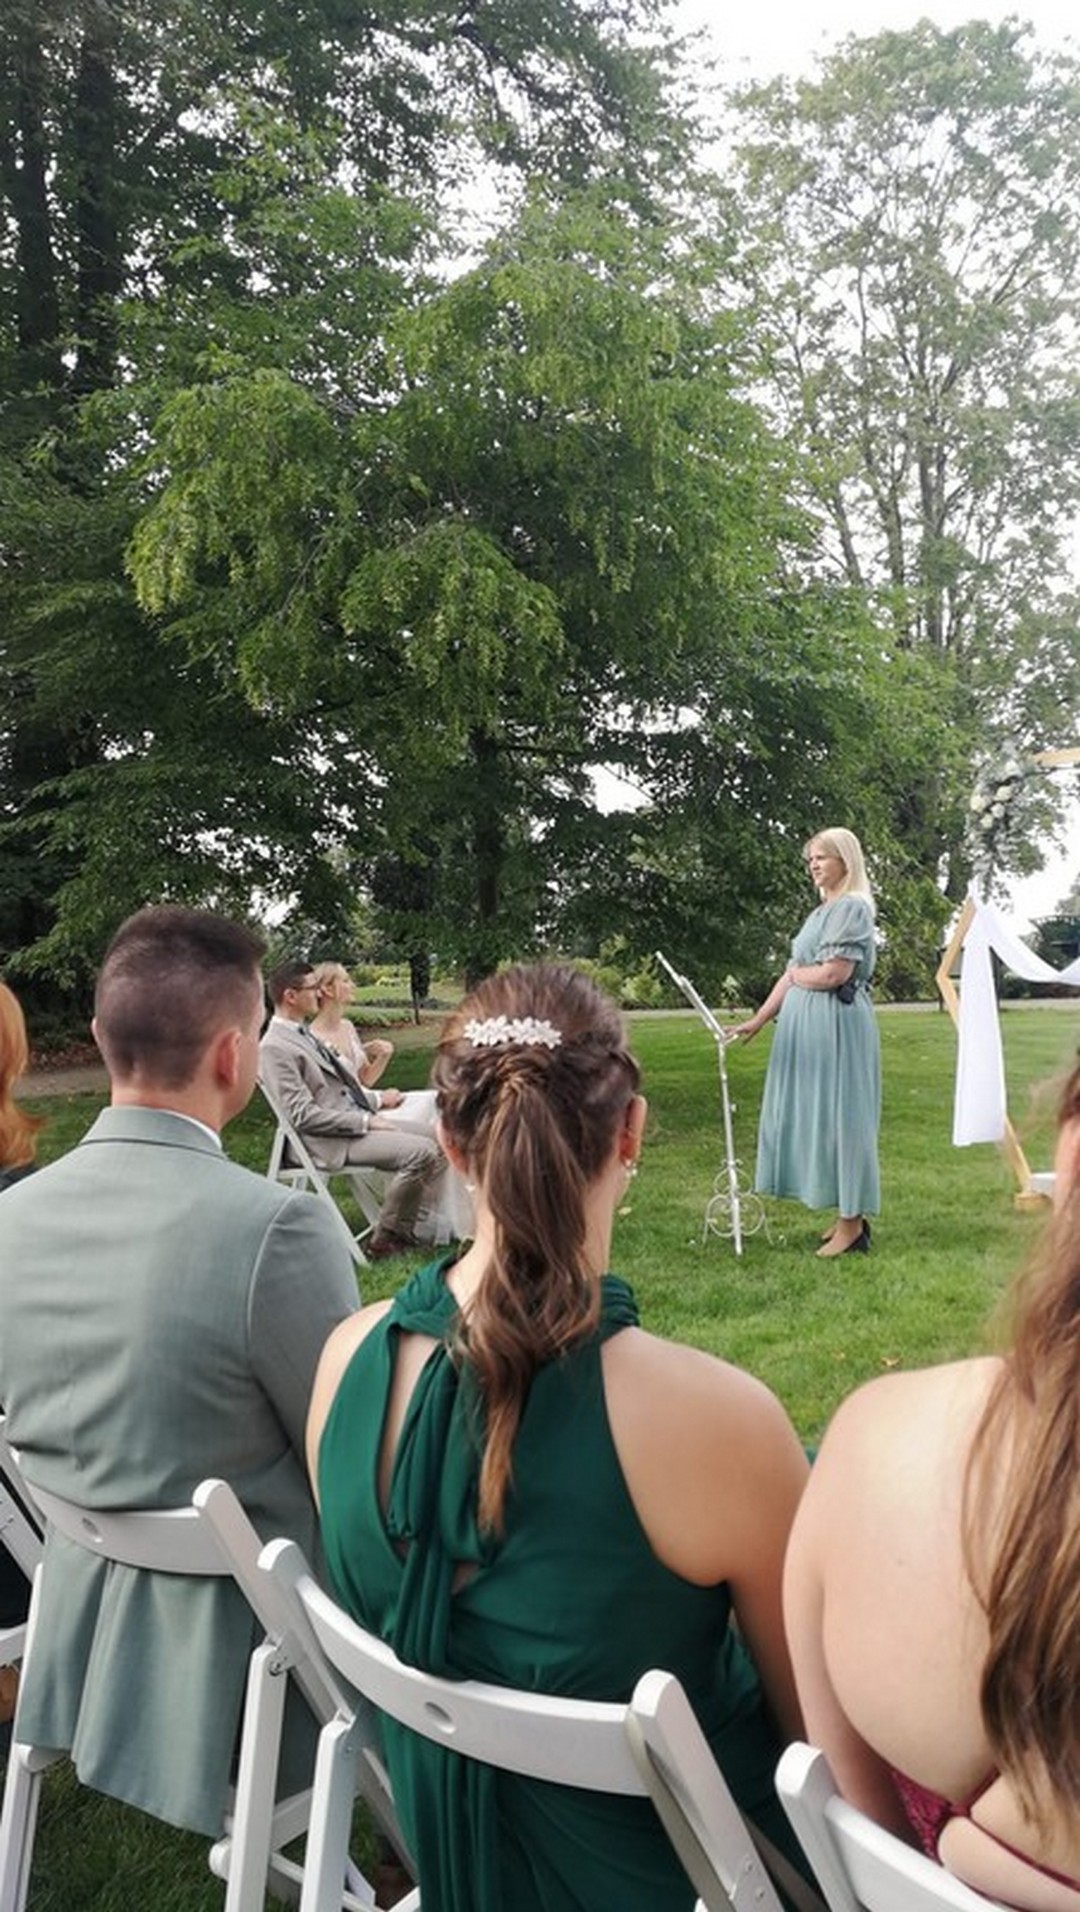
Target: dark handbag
x: 846, y: 991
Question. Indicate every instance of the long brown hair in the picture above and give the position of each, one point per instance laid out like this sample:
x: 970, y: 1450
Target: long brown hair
x: 17, y: 1129
x: 536, y: 1123
x: 1025, y: 1561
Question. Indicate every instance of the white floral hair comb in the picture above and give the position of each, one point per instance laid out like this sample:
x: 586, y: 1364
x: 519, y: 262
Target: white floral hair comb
x: 499, y: 1032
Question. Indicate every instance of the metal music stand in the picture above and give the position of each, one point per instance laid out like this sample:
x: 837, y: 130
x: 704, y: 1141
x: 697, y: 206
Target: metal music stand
x: 724, y: 1211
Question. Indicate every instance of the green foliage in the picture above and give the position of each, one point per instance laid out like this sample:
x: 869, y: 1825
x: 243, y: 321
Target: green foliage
x: 633, y: 984
x: 915, y: 242
x: 511, y: 544
x: 207, y: 219
x: 326, y: 580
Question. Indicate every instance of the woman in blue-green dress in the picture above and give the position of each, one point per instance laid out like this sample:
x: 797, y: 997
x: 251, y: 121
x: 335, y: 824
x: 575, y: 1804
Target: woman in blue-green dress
x: 817, y: 1141
x: 518, y: 1484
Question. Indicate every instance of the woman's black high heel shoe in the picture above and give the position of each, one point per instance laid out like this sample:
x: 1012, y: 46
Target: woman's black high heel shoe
x: 830, y: 1232
x: 861, y: 1244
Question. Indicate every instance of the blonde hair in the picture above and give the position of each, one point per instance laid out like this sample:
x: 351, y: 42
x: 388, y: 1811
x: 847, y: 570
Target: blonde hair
x: 845, y: 844
x: 1025, y: 1561
x: 17, y: 1129
x: 325, y: 973
x: 536, y: 1124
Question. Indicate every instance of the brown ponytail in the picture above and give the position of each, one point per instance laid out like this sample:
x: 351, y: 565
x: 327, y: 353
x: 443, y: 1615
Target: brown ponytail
x: 1029, y: 1579
x: 536, y: 1124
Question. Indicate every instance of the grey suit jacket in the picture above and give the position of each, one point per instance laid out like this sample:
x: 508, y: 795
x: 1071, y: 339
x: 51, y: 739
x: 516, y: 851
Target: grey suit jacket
x: 312, y: 1094
x: 162, y: 1311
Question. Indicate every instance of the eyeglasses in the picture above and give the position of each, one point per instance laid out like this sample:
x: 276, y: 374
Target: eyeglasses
x: 303, y: 989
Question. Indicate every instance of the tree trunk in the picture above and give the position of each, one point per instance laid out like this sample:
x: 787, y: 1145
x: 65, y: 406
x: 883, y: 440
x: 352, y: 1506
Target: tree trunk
x: 25, y: 163
x: 100, y: 263
x: 488, y: 847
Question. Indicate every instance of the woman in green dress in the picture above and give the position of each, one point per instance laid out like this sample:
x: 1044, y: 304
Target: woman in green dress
x: 817, y: 1140
x: 518, y: 1484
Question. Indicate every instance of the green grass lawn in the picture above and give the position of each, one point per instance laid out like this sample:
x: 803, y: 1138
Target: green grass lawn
x: 947, y: 1241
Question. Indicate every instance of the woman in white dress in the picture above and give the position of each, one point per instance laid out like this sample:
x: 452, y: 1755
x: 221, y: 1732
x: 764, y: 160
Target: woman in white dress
x: 336, y: 989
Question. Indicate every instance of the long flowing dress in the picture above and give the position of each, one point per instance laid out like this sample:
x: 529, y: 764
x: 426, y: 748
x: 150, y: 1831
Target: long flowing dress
x: 572, y: 1600
x: 817, y: 1141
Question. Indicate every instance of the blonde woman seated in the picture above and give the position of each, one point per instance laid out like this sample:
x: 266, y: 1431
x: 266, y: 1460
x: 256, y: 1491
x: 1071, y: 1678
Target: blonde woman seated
x: 336, y: 988
x: 447, y: 1214
x: 932, y: 1591
x: 518, y: 1484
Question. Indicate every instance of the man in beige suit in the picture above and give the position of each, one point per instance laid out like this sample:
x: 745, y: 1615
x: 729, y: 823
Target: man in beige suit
x: 340, y: 1120
x: 162, y: 1311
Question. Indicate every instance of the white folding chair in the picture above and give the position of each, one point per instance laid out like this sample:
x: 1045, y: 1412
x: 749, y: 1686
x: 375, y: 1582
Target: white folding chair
x: 861, y: 1867
x: 21, y: 1534
x: 177, y: 1541
x: 240, y: 1855
x: 291, y: 1161
x: 653, y: 1747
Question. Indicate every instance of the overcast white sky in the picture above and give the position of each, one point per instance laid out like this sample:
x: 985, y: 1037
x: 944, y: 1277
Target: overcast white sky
x: 766, y: 37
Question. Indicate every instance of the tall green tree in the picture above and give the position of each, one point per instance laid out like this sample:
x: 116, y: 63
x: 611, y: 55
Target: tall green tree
x: 916, y: 211
x: 553, y: 525
x: 158, y: 159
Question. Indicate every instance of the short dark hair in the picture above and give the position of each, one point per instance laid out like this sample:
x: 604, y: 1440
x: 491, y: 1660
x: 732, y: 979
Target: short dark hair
x: 170, y: 979
x: 286, y: 974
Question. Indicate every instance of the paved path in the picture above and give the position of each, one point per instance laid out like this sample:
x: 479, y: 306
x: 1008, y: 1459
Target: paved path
x: 87, y: 1079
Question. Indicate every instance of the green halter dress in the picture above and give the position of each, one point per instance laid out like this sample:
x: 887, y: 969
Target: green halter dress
x: 571, y: 1600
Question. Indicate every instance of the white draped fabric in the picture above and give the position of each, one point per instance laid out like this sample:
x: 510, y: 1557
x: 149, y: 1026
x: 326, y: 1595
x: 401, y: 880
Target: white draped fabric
x: 979, y: 1108
x: 447, y: 1213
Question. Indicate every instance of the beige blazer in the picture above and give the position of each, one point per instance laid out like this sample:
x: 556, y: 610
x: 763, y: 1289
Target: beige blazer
x: 312, y: 1093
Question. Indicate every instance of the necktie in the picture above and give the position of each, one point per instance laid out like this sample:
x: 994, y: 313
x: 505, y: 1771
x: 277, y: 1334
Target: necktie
x: 353, y: 1089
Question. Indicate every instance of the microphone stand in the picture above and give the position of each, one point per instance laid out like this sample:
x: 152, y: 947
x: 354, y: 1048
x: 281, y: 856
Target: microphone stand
x: 724, y: 1211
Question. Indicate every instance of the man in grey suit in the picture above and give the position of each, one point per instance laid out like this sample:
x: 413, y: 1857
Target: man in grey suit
x: 340, y: 1119
x: 162, y: 1311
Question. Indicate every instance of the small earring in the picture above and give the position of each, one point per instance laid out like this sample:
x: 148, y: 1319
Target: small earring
x: 629, y: 1169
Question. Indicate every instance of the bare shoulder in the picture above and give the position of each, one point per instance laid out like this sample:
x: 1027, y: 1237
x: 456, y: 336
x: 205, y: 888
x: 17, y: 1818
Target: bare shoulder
x: 686, y: 1384
x: 897, y: 1443
x: 343, y: 1343
x: 905, y: 1404
x: 710, y: 1458
x: 336, y: 1355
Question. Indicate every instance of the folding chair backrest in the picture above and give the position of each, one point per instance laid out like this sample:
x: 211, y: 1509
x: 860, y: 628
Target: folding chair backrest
x: 652, y: 1747
x: 239, y: 1546
x: 287, y: 1649
x: 859, y: 1865
x: 20, y: 1530
x: 167, y: 1541
x: 21, y: 1534
x: 211, y: 1537
x: 161, y: 1540
x: 292, y: 1161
